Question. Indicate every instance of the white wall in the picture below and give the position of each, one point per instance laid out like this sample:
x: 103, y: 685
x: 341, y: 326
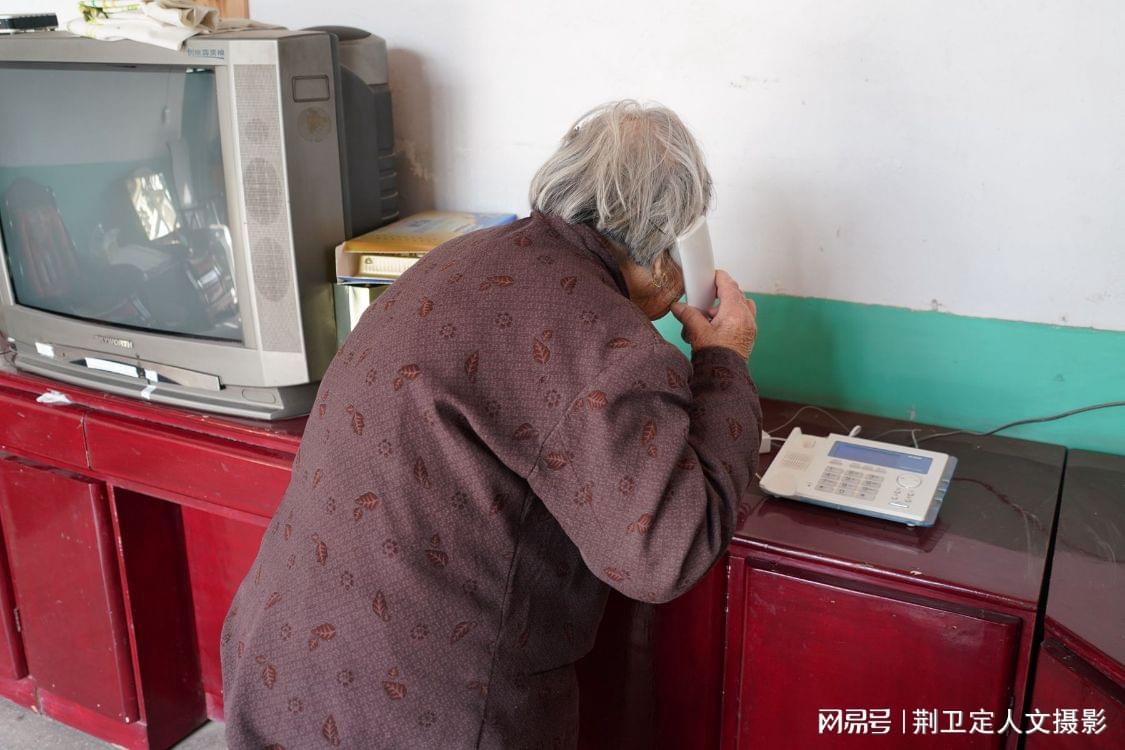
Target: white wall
x: 962, y: 156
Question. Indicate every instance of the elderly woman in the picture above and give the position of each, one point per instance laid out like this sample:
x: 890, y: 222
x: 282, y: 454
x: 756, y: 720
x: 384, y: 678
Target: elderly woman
x: 503, y: 439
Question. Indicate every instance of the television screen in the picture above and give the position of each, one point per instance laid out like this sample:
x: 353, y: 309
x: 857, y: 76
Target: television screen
x: 113, y: 205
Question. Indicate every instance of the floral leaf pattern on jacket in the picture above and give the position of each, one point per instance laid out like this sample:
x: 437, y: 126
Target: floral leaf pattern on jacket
x: 502, y: 439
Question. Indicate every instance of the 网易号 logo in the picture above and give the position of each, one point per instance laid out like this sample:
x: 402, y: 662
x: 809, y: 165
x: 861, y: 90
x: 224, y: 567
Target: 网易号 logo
x: 920, y: 721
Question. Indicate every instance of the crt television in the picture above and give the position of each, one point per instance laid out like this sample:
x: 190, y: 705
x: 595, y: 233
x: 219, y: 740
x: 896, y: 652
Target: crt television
x: 167, y: 217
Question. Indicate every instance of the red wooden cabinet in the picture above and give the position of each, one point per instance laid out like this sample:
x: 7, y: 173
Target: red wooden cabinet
x: 1080, y: 672
x: 816, y: 609
x: 125, y: 553
x: 827, y: 611
x: 60, y: 546
x: 123, y: 577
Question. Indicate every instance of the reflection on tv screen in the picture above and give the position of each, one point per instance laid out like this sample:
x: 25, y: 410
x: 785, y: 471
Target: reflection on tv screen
x: 112, y: 199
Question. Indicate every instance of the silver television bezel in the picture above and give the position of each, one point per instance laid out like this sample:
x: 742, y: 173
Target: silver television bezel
x: 244, y: 364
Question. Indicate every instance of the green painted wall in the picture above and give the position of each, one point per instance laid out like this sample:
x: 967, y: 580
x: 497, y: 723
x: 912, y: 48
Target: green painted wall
x: 937, y: 368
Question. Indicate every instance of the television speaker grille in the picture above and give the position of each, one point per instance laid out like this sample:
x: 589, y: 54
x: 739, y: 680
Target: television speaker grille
x: 267, y: 229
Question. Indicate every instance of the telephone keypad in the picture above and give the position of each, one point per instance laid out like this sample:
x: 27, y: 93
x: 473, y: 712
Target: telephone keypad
x: 853, y: 481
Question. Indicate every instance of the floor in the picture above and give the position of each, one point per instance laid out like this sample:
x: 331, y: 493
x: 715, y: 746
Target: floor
x: 21, y: 729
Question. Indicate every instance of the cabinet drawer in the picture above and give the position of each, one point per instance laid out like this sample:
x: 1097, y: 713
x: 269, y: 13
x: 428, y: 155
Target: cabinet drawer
x: 53, y: 433
x: 183, y: 463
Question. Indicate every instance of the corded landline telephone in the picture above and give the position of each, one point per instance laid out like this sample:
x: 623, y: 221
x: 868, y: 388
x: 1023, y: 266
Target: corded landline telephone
x: 839, y: 471
x: 861, y: 476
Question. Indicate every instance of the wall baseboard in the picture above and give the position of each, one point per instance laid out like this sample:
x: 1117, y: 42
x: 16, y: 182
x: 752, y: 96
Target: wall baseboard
x: 938, y: 368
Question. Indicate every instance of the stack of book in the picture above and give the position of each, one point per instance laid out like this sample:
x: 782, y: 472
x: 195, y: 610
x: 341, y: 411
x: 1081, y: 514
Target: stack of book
x: 366, y: 265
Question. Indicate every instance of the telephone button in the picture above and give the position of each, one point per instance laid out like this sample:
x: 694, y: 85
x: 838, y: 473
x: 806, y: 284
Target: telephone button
x: 909, y: 482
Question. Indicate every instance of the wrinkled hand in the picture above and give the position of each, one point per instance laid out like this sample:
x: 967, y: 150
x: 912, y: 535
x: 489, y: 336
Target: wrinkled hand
x: 733, y: 323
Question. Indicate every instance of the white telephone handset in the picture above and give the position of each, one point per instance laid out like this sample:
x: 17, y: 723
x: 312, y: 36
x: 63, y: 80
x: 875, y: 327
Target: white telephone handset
x: 692, y: 253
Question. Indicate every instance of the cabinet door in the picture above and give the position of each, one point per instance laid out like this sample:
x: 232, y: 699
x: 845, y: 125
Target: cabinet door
x: 64, y: 576
x: 13, y: 666
x: 812, y: 646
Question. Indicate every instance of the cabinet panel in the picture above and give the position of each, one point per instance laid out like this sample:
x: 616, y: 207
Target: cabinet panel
x: 811, y: 644
x: 64, y: 576
x: 219, y: 554
x: 159, y: 603
x: 1086, y: 603
x: 1064, y: 681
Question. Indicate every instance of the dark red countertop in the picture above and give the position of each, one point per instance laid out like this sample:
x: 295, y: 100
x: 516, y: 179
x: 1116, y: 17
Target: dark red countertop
x: 991, y: 537
x: 284, y: 435
x: 1086, y: 598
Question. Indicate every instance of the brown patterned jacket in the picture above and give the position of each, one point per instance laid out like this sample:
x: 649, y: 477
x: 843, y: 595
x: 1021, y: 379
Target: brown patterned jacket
x: 502, y: 438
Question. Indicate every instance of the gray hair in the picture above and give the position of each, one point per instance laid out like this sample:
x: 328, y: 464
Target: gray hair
x: 633, y: 171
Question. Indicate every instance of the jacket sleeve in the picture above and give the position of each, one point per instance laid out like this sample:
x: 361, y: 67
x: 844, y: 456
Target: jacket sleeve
x: 646, y: 470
